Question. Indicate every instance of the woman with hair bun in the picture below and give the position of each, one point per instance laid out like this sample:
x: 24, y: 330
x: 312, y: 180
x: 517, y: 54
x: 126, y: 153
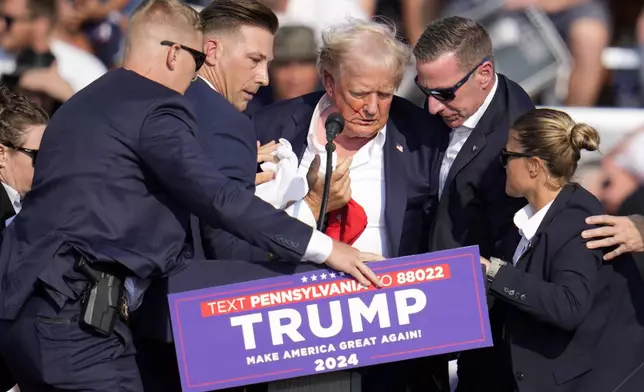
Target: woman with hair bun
x: 562, y: 320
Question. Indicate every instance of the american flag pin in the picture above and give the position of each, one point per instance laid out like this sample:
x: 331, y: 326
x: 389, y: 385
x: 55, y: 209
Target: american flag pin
x: 399, y: 147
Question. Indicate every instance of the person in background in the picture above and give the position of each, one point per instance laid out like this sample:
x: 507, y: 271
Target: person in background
x: 563, y: 320
x: 294, y: 71
x: 45, y: 64
x: 591, y: 176
x: 585, y: 26
x: 22, y: 124
x: 101, y: 22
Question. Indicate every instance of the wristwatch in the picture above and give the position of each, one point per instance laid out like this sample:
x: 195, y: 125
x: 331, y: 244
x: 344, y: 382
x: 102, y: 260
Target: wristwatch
x: 493, y: 268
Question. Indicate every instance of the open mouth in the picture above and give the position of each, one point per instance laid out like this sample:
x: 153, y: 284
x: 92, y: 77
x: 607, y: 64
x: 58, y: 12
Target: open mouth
x: 249, y: 95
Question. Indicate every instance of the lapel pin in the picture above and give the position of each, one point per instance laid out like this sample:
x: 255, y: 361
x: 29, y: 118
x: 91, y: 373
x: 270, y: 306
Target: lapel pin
x: 399, y: 147
x: 474, y: 148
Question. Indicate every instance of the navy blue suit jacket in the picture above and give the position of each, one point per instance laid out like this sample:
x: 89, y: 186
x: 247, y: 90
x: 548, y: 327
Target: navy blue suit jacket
x: 411, y: 160
x: 474, y: 209
x: 563, y: 319
x: 228, y: 138
x: 118, y: 172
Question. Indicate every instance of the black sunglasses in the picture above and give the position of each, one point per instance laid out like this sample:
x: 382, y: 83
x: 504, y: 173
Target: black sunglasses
x: 199, y: 56
x: 32, y: 153
x: 506, y: 156
x: 449, y: 93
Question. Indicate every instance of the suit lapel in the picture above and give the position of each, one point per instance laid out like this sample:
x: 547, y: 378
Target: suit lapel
x: 558, y: 204
x: 301, y: 123
x: 477, y: 140
x: 395, y: 186
x: 6, y: 208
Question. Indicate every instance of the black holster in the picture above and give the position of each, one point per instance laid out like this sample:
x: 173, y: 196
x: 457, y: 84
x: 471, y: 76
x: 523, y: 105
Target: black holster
x: 102, y: 301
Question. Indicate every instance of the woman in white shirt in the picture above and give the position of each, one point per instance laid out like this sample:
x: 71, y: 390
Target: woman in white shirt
x: 562, y: 319
x: 22, y: 124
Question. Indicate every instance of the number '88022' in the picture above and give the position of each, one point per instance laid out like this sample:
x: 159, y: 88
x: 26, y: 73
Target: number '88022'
x: 420, y: 275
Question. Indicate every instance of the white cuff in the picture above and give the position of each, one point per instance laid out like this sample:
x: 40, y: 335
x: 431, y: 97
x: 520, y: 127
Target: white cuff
x: 319, y: 248
x: 302, y: 212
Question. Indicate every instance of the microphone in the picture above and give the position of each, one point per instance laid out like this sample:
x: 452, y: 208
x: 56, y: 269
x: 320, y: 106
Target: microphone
x: 333, y: 125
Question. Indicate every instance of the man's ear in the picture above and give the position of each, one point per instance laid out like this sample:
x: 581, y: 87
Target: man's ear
x: 213, y: 50
x: 485, y: 73
x: 329, y: 84
x: 172, y: 57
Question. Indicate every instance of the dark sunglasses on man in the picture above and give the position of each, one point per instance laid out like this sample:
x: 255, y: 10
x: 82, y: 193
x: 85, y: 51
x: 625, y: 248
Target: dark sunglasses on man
x: 32, y: 153
x: 199, y: 56
x: 449, y: 93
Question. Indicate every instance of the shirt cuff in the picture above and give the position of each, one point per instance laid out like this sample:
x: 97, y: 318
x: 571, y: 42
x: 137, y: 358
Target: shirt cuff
x: 302, y: 212
x: 493, y: 269
x: 319, y: 248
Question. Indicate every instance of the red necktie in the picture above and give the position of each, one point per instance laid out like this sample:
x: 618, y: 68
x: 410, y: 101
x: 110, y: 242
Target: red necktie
x: 347, y: 223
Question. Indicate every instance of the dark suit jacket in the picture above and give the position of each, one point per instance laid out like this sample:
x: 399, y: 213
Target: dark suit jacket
x: 474, y: 209
x: 228, y: 138
x: 6, y: 212
x: 565, y: 320
x: 410, y: 181
x: 118, y: 172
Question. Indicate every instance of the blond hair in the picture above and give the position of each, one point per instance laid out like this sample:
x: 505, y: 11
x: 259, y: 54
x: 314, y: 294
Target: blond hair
x: 167, y: 15
x: 553, y: 136
x: 370, y: 43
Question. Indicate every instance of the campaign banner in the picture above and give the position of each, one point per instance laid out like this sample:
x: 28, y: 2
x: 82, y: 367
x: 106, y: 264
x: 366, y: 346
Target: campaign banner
x: 324, y: 321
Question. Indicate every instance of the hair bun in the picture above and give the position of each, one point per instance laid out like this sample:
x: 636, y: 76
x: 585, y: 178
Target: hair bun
x: 584, y: 137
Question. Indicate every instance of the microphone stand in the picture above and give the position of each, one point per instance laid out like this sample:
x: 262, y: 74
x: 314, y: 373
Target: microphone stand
x: 330, y: 148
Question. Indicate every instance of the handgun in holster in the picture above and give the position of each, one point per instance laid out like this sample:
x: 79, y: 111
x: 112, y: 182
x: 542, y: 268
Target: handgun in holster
x: 101, y: 302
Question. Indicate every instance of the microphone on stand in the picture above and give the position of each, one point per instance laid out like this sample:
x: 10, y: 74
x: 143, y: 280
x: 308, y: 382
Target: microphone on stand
x: 333, y: 125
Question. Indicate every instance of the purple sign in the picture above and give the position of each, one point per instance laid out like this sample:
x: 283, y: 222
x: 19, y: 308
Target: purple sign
x: 324, y: 321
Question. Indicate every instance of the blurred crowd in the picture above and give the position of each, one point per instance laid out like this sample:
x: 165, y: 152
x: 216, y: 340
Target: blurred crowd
x: 50, y: 49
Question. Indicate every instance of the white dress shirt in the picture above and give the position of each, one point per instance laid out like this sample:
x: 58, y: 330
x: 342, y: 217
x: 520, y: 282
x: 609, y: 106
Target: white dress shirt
x: 458, y: 137
x: 14, y: 197
x: 367, y: 183
x: 528, y: 222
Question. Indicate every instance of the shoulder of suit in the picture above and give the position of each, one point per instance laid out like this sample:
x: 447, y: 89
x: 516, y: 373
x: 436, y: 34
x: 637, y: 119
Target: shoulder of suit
x: 519, y: 96
x: 121, y: 91
x: 403, y: 111
x: 570, y: 221
x: 286, y: 107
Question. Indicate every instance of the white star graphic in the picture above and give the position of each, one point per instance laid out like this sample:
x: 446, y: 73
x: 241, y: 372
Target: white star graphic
x: 341, y: 273
x: 332, y: 275
x: 323, y: 276
x: 304, y: 279
x: 314, y: 278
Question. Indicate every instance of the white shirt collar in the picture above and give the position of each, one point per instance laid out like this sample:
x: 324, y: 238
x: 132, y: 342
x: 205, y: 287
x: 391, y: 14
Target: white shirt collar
x: 474, y: 119
x: 528, y: 221
x: 207, y: 82
x: 377, y: 143
x: 14, y: 196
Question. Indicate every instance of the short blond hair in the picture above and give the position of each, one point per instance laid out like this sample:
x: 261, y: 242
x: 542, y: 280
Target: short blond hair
x: 167, y: 14
x: 371, y: 43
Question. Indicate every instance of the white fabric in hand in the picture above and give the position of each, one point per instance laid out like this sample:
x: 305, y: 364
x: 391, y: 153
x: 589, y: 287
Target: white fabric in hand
x: 287, y: 186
